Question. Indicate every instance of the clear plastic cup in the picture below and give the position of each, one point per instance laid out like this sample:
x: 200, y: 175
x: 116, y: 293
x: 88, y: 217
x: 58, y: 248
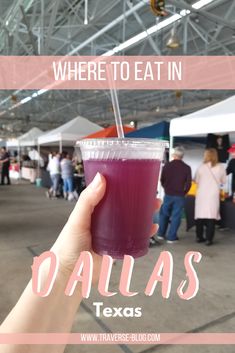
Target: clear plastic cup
x: 121, y: 223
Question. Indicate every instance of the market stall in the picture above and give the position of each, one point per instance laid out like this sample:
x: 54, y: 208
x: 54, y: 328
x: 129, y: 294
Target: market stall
x: 67, y: 134
x: 218, y: 119
x: 22, y: 144
x: 110, y: 131
x: 29, y: 139
x: 159, y: 131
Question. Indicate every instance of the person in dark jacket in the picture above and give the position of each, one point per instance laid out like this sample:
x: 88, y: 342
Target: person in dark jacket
x: 5, y: 163
x: 231, y: 166
x: 176, y: 180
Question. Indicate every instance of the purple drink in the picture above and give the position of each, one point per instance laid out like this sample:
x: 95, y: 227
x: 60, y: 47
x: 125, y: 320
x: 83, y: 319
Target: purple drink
x: 121, y: 223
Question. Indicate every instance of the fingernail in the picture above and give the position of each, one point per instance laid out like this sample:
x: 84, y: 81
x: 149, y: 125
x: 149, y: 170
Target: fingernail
x: 96, y: 181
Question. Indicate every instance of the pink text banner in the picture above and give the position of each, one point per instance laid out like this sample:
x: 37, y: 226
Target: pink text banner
x: 125, y: 72
x: 118, y: 338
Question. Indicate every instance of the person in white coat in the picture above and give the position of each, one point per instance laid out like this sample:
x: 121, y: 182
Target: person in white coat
x: 55, y: 174
x: 209, y: 178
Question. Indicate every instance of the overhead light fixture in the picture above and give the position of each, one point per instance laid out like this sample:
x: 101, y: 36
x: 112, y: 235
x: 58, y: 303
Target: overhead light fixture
x: 86, y: 13
x: 184, y: 12
x: 14, y: 106
x: 25, y: 100
x: 201, y: 3
x: 154, y: 29
x: 41, y: 91
x: 128, y: 43
x: 173, y: 42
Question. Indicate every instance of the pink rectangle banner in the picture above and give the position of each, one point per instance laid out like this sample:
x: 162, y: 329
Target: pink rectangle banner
x: 118, y: 338
x: 128, y: 72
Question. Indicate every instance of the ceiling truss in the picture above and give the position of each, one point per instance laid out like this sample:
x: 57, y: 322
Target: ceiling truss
x: 56, y: 27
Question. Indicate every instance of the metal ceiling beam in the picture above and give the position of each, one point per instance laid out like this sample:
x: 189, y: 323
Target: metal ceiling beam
x: 34, y: 14
x: 185, y: 35
x: 108, y: 27
x: 149, y: 38
x: 75, y: 7
x: 205, y: 33
x: 55, y: 8
x: 215, y: 47
x: 30, y: 33
x: 16, y: 37
x: 41, y: 29
x: 13, y: 10
x: 172, y: 110
x: 199, y: 33
x: 226, y: 16
x: 94, y: 10
x: 76, y: 17
x: 124, y: 21
x: 104, y: 12
x: 214, y: 18
x: 55, y: 28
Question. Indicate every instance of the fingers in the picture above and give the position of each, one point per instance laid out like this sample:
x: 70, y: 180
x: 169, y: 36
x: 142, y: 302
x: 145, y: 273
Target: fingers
x: 154, y: 229
x: 157, y: 204
x: 89, y: 198
x: 80, y: 218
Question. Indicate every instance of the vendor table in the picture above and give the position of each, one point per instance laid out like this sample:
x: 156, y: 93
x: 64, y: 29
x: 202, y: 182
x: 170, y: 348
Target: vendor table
x: 227, y: 211
x: 29, y: 174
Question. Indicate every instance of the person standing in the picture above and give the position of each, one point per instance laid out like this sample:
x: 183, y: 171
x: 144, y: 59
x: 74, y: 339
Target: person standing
x: 67, y: 176
x: 54, y: 170
x: 209, y: 177
x: 5, y: 162
x: 231, y: 167
x: 176, y: 180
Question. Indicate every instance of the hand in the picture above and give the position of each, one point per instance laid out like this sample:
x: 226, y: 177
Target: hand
x: 76, y: 236
x: 157, y: 205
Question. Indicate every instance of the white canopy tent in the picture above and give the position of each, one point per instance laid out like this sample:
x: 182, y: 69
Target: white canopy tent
x: 69, y: 133
x: 218, y: 118
x: 29, y: 139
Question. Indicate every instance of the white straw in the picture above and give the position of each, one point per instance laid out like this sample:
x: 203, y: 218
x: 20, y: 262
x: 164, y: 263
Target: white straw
x: 116, y: 109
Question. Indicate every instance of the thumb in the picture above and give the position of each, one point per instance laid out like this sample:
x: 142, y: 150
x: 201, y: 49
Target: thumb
x: 80, y: 218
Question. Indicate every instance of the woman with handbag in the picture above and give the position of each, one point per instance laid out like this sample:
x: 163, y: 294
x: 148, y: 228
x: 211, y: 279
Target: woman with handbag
x: 209, y: 177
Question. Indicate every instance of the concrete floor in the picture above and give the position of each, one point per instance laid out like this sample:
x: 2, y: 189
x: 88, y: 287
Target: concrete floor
x: 29, y: 223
